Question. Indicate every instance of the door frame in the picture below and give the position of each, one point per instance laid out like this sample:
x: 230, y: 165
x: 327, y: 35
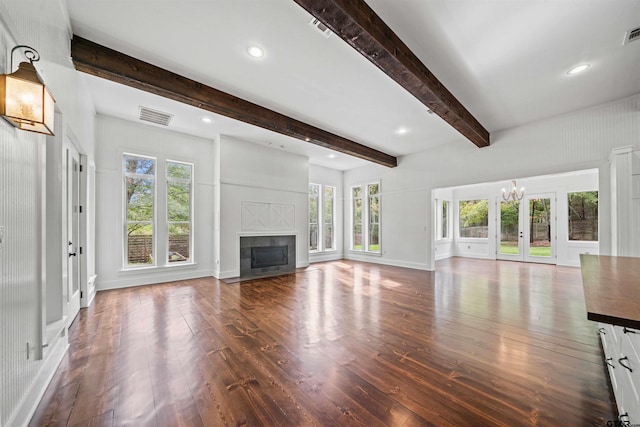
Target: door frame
x: 552, y: 225
x: 524, y: 232
x: 509, y: 257
x: 69, y: 264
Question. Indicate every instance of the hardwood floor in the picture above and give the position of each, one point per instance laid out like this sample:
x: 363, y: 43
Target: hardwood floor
x: 342, y: 343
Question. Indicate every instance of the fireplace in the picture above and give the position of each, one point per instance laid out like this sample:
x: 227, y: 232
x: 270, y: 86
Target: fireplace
x: 267, y: 255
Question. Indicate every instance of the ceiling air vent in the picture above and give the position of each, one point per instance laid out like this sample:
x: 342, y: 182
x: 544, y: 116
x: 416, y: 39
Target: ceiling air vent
x: 320, y: 27
x: 153, y: 116
x: 632, y: 35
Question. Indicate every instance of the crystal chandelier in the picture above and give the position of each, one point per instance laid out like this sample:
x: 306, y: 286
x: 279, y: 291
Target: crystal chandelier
x: 513, y: 194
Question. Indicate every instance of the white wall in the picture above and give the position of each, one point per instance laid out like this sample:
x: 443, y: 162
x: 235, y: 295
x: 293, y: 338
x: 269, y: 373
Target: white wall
x: 113, y: 138
x: 252, y: 173
x: 577, y: 141
x: 25, y: 173
x: 331, y: 177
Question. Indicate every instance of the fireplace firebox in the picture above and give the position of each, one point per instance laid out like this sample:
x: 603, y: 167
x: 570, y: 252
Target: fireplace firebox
x: 267, y: 255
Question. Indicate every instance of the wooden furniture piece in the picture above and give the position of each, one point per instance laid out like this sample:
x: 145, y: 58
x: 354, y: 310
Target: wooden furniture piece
x: 612, y: 295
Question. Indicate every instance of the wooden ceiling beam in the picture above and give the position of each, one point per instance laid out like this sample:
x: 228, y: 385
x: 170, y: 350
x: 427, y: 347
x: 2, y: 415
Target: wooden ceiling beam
x: 357, y: 24
x: 97, y: 60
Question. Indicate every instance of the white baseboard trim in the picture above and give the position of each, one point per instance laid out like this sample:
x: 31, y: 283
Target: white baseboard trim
x: 29, y: 403
x: 386, y: 261
x: 444, y: 256
x: 476, y: 256
x: 151, y: 279
x: 331, y: 256
x: 229, y: 274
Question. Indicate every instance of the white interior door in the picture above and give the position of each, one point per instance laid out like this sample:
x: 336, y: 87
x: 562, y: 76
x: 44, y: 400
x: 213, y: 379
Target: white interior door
x: 73, y: 233
x: 527, y: 229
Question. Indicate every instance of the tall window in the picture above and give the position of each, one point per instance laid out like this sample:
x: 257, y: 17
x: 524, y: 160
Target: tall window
x: 373, y: 209
x: 445, y: 220
x: 321, y: 217
x: 474, y: 218
x: 314, y: 202
x: 365, y: 219
x: 583, y: 216
x: 139, y: 181
x: 179, y: 211
x: 356, y: 207
x: 329, y: 213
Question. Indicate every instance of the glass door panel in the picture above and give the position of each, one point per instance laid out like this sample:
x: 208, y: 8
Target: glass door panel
x: 510, y: 228
x: 540, y: 228
x: 526, y: 229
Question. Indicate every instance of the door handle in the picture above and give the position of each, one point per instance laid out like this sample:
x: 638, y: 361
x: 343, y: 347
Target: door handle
x: 72, y: 254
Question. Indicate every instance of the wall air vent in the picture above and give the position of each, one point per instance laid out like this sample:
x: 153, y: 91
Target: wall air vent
x: 320, y: 27
x: 154, y: 116
x: 632, y: 36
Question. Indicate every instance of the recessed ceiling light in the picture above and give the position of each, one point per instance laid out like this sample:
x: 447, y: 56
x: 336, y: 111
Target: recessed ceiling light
x: 332, y: 156
x: 255, y: 51
x: 207, y: 120
x: 402, y: 131
x: 578, y: 69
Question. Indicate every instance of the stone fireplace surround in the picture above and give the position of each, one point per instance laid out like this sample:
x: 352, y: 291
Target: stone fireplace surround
x: 263, y: 241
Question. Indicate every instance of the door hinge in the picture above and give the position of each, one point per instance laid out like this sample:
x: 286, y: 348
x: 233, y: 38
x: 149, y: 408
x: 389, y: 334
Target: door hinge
x: 80, y: 208
x: 81, y: 294
x: 80, y: 250
x: 81, y: 168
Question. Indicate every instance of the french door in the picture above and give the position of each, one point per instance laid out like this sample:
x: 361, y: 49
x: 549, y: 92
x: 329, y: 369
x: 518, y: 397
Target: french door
x: 527, y: 229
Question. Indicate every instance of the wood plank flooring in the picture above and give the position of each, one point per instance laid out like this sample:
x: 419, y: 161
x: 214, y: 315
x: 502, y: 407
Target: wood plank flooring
x: 476, y: 343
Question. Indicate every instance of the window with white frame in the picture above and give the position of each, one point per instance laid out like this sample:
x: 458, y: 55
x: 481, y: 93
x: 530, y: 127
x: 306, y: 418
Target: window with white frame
x: 442, y: 219
x: 474, y: 219
x: 365, y: 218
x: 329, y: 202
x: 152, y: 239
x: 444, y: 231
x: 314, y: 213
x: 179, y: 211
x: 583, y: 216
x: 321, y: 217
x: 139, y: 194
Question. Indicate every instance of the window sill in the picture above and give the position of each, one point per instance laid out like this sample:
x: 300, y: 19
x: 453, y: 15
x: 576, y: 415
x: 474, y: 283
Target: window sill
x: 151, y: 268
x: 326, y: 251
x: 472, y: 239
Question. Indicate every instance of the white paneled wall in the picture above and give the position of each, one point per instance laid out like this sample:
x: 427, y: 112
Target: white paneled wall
x: 250, y: 174
x: 576, y: 141
x: 25, y: 368
x: 113, y: 138
x: 20, y: 264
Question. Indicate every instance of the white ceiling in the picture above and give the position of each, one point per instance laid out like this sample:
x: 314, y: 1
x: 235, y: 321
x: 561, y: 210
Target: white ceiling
x: 505, y: 60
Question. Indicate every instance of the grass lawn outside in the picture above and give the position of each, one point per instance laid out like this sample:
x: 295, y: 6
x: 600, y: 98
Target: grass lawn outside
x: 372, y: 248
x: 543, y: 251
